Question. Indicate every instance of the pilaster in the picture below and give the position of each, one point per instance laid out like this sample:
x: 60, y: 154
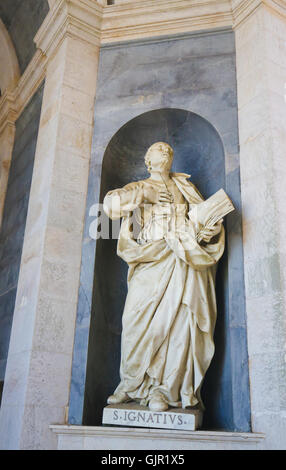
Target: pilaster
x: 260, y: 31
x: 36, y: 389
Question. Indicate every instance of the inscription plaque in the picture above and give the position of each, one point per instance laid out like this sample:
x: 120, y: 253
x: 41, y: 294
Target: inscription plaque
x: 141, y: 416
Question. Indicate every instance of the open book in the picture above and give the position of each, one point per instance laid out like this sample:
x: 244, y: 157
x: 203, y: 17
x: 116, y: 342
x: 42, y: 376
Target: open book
x: 209, y: 212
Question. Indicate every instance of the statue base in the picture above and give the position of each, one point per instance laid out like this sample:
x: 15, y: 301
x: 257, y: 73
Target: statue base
x: 132, y: 414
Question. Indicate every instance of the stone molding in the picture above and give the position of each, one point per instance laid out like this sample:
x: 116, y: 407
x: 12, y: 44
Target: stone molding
x: 99, y: 23
x: 8, y: 116
x: 173, y: 16
x: 8, y: 110
x: 243, y: 9
x: 158, y: 433
x: 184, y: 438
x: 9, y: 77
x: 149, y: 18
x: 80, y: 19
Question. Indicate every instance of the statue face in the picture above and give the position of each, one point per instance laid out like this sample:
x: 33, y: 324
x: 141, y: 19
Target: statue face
x: 159, y: 157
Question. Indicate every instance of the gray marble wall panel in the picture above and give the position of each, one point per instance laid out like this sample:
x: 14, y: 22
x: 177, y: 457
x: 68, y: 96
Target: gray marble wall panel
x: 14, y: 217
x: 194, y: 73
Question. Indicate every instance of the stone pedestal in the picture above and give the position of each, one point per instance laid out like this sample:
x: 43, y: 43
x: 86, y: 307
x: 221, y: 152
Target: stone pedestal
x: 132, y: 414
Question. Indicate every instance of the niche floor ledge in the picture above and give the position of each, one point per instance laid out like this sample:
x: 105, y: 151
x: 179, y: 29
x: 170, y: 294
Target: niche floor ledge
x: 122, y: 438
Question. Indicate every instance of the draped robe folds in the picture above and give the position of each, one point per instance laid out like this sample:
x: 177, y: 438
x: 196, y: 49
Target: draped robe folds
x: 170, y: 310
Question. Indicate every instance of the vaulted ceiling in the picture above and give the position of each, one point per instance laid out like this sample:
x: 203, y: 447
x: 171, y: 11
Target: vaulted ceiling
x: 22, y: 19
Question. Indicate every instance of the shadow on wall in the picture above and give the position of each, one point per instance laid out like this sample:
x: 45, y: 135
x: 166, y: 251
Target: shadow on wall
x: 198, y: 151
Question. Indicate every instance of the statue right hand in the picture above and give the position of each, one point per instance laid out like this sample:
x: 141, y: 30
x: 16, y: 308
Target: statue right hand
x: 153, y: 196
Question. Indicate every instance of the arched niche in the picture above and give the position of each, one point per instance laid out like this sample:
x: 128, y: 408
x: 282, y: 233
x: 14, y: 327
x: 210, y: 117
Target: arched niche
x: 10, y: 72
x: 198, y: 150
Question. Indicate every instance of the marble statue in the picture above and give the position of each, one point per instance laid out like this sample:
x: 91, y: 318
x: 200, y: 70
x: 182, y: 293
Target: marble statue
x: 170, y: 309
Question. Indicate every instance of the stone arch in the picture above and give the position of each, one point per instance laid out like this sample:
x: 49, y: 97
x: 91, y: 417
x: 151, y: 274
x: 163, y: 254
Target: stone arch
x: 10, y: 73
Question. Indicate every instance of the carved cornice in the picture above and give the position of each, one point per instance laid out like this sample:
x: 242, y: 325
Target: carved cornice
x: 148, y: 18
x: 76, y: 18
x: 135, y: 19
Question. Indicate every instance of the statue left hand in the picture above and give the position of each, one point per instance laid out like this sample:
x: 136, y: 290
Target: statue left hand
x: 210, y: 232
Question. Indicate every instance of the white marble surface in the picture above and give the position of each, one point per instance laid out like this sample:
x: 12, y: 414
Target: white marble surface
x: 132, y: 414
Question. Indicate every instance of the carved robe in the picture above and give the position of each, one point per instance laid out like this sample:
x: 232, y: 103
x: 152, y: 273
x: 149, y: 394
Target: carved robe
x: 170, y: 309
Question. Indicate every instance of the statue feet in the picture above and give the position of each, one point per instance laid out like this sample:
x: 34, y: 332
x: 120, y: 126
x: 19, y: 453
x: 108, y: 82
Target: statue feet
x: 120, y: 397
x: 158, y: 403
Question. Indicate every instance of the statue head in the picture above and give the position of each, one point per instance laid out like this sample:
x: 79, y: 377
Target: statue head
x: 159, y: 157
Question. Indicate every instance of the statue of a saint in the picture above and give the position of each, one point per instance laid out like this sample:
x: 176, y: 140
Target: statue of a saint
x: 170, y: 309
